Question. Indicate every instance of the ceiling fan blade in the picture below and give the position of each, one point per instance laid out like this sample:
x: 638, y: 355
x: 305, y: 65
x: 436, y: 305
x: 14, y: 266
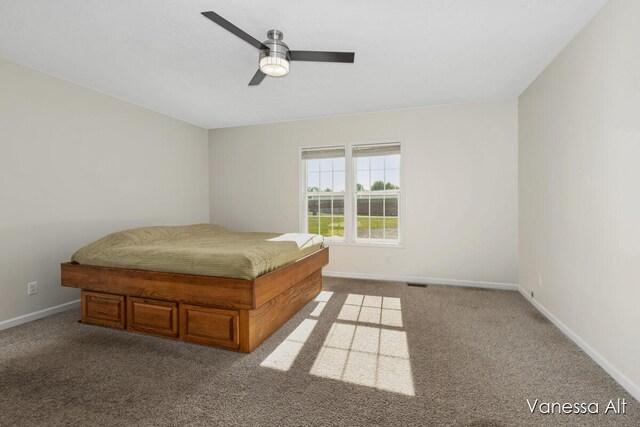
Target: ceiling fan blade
x: 313, y: 55
x: 258, y: 77
x: 235, y: 30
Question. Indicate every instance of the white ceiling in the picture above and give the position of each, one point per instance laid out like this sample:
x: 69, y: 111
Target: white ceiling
x: 165, y: 56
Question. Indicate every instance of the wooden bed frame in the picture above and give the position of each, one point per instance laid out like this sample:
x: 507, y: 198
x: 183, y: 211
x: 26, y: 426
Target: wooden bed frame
x: 234, y: 314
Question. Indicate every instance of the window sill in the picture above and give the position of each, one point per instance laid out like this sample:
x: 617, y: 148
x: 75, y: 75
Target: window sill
x: 394, y: 245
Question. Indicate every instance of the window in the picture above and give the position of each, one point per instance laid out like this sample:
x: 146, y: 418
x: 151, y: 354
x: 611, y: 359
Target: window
x: 325, y: 191
x: 377, y: 192
x: 352, y: 193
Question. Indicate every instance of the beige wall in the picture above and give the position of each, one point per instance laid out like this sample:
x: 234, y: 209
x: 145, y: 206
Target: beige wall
x: 460, y: 184
x: 76, y: 164
x: 579, y: 189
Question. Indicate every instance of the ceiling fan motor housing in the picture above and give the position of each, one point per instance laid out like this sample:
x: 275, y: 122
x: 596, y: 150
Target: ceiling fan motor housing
x: 277, y: 48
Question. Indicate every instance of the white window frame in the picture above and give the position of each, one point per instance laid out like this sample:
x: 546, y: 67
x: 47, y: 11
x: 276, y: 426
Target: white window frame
x: 304, y: 194
x: 350, y: 195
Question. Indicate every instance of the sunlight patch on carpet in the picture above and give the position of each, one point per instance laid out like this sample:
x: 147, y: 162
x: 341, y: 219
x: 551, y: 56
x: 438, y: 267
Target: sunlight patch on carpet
x: 285, y: 354
x: 372, y: 309
x: 322, y: 299
x: 367, y: 355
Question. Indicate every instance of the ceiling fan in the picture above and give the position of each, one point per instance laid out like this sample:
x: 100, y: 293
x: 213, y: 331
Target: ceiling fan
x: 275, y: 55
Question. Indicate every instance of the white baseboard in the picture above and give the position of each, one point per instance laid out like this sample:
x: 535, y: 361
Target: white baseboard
x: 424, y: 280
x: 622, y: 379
x: 10, y: 323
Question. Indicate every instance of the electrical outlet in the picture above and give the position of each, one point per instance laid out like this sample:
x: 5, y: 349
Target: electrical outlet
x: 388, y: 259
x: 32, y: 288
x: 539, y: 280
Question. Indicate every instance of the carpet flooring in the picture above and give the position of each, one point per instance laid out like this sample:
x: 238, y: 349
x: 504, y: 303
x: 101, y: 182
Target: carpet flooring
x: 366, y: 353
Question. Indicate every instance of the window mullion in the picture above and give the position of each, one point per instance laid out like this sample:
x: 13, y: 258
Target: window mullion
x: 332, y: 217
x: 348, y: 195
x: 384, y: 217
x: 332, y: 188
x: 370, y: 216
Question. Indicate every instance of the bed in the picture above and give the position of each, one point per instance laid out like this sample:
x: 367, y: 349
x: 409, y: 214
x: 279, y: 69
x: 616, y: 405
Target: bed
x: 201, y: 283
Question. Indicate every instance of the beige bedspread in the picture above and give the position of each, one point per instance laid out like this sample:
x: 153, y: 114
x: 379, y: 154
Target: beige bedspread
x: 202, y: 249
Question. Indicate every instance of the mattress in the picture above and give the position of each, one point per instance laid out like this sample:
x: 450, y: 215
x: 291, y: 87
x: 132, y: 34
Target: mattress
x: 202, y: 249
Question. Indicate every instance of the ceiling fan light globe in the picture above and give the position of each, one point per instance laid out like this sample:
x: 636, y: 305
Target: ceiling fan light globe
x: 274, y: 66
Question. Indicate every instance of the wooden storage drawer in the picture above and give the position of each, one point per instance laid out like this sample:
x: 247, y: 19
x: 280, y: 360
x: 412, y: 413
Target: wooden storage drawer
x: 152, y: 316
x: 103, y: 309
x: 212, y: 326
